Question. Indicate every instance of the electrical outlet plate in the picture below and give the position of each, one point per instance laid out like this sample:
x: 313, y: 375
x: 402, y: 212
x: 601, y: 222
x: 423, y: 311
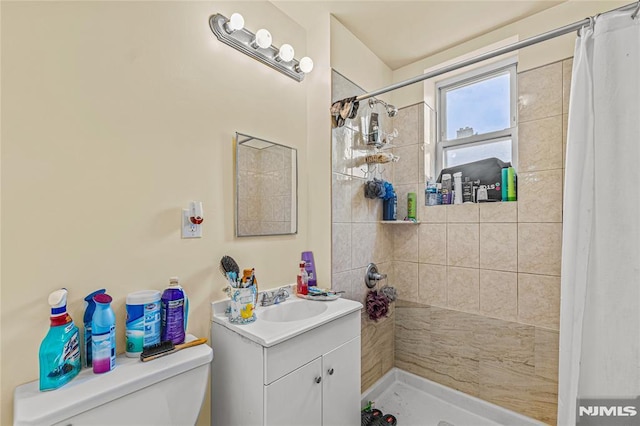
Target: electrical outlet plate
x: 190, y: 230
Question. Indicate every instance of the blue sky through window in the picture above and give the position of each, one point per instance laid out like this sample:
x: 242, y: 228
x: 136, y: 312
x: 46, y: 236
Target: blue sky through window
x: 483, y: 106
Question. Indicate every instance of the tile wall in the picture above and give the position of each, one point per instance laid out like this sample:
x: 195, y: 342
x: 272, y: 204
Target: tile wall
x: 357, y: 236
x: 482, y: 282
x: 479, y: 284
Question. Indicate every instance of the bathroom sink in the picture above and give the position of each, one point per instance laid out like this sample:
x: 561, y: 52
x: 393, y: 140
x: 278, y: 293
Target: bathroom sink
x: 277, y: 323
x: 291, y: 311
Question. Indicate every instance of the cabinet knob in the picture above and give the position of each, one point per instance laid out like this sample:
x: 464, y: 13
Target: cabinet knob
x: 318, y: 379
x: 330, y: 371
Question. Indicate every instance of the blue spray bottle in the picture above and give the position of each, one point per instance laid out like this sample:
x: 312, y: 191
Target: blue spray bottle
x: 103, y: 335
x: 60, y: 350
x: 88, y: 316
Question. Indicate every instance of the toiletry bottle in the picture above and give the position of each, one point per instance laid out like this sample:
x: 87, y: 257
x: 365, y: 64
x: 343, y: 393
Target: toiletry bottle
x: 59, y: 354
x: 505, y: 183
x: 103, y: 335
x: 310, y: 267
x: 412, y: 199
x: 88, y: 317
x: 174, y: 309
x: 438, y: 194
x: 302, y: 281
x: 431, y: 194
x: 457, y: 185
x: 511, y: 184
x: 446, y: 188
x: 467, y: 191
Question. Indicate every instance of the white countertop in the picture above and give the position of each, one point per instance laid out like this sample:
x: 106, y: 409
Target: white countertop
x: 267, y: 333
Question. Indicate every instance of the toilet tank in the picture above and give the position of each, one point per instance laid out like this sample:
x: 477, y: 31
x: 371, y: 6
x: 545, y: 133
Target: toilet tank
x: 165, y: 391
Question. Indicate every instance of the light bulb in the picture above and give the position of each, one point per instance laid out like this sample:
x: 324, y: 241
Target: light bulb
x: 235, y: 23
x: 285, y: 53
x: 305, y: 65
x: 262, y: 39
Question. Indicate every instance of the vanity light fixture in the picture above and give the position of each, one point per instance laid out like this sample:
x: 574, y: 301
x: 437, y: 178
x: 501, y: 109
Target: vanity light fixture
x: 231, y: 31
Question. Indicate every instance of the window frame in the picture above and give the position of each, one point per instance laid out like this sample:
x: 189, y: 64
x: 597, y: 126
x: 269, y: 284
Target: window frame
x: 476, y: 75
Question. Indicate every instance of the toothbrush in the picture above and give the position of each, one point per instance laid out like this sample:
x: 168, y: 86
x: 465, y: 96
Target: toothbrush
x: 166, y: 348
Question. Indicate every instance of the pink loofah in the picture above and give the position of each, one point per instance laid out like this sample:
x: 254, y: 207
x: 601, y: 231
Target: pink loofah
x: 377, y: 305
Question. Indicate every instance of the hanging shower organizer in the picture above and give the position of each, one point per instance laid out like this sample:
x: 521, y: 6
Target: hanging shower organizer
x: 377, y: 141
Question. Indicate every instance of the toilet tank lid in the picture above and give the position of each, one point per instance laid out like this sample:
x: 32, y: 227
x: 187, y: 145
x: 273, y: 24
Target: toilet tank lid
x: 89, y: 390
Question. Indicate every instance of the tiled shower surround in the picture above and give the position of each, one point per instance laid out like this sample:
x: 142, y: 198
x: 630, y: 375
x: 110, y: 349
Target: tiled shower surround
x: 479, y: 284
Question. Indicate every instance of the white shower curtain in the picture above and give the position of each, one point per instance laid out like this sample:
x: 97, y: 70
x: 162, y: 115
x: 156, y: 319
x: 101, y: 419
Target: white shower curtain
x: 600, y: 292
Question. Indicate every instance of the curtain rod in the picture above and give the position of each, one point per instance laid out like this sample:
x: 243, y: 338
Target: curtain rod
x: 501, y: 51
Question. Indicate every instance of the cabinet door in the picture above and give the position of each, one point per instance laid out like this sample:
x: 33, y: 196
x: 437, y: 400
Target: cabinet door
x: 296, y: 399
x: 341, y: 385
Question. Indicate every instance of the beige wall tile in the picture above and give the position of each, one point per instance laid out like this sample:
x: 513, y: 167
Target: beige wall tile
x: 341, y: 247
x: 432, y: 214
x: 406, y: 170
x: 567, y: 68
x: 540, y: 92
x: 370, y: 356
x: 515, y: 386
x: 386, y: 343
x: 363, y: 239
x: 565, y: 124
x: 539, y: 300
x: 405, y: 242
x: 546, y: 353
x: 463, y: 245
x: 540, y: 196
x: 342, y: 281
x: 463, y: 213
x: 359, y: 204
x: 341, y: 198
x: 432, y: 243
x: 540, y: 248
x: 412, y: 330
x: 463, y: 289
x: 499, y: 246
x: 540, y: 144
x: 408, y: 124
x: 500, y: 340
x: 405, y: 280
x: 383, y: 250
x: 499, y: 212
x: 499, y: 294
x: 432, y: 284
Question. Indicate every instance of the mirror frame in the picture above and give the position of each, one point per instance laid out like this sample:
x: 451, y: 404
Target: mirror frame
x: 243, y: 138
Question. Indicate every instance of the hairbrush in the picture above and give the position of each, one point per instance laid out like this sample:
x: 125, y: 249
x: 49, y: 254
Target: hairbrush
x: 228, y: 264
x: 166, y: 348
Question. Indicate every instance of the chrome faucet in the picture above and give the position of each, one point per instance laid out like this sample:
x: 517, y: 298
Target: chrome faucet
x: 274, y: 297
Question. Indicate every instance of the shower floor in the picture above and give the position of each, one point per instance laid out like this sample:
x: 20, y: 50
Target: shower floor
x: 416, y: 401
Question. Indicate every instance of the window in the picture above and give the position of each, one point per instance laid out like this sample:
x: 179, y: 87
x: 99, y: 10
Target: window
x: 477, y: 116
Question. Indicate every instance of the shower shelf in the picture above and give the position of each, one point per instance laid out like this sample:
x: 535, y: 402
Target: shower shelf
x: 401, y: 222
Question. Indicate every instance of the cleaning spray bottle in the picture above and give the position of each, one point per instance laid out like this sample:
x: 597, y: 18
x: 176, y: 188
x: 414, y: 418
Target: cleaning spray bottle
x: 60, y: 350
x: 174, y: 310
x: 103, y: 335
x: 88, y: 316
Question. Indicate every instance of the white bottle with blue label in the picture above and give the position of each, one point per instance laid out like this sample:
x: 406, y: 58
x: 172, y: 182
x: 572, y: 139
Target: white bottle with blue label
x: 103, y: 335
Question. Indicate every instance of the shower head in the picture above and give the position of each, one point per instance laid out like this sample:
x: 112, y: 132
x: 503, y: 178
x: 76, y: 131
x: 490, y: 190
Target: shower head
x: 391, y: 110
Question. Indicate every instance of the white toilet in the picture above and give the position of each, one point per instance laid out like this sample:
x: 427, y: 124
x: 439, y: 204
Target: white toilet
x: 165, y: 391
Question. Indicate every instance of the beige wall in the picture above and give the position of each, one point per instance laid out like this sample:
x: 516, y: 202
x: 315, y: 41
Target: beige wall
x: 531, y: 57
x: 115, y: 115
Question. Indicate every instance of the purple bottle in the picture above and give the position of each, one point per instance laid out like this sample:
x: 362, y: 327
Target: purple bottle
x: 310, y: 267
x: 174, y: 310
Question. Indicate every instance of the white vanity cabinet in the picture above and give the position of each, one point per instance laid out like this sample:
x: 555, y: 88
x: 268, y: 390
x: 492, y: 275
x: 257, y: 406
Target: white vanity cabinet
x: 312, y: 378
